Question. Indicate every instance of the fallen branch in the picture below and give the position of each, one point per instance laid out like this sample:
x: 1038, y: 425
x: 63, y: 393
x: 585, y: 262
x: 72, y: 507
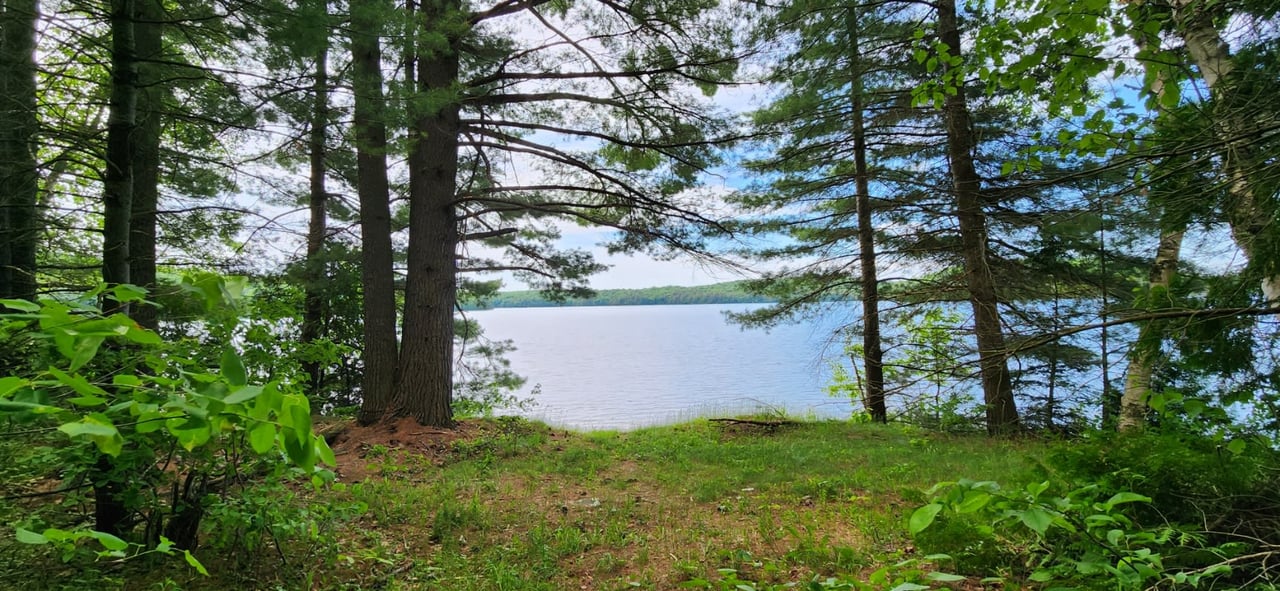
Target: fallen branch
x: 769, y: 424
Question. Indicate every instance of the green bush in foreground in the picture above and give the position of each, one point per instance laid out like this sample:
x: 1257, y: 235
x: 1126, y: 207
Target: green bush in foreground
x: 1082, y: 539
x: 153, y: 434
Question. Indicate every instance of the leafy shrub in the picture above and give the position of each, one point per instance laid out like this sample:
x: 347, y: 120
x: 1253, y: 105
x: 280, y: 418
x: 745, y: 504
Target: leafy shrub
x: 150, y: 431
x: 970, y: 542
x: 1085, y: 538
x: 1191, y: 479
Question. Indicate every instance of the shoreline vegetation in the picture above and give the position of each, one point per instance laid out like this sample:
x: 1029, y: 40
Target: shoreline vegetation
x: 729, y: 292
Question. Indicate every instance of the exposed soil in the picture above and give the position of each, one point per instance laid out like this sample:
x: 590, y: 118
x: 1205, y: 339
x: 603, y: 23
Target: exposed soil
x: 357, y: 448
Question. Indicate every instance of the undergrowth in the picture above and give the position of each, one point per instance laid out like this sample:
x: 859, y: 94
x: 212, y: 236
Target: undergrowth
x: 528, y: 507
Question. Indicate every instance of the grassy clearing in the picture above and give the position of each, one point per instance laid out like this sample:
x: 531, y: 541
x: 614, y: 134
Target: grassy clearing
x: 525, y: 507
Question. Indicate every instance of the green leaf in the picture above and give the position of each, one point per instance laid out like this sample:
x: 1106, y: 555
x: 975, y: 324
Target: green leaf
x: 142, y: 336
x: 1126, y: 497
x: 149, y: 422
x: 233, y: 368
x: 944, y: 577
x: 77, y: 383
x: 16, y: 406
x: 923, y: 518
x: 99, y: 430
x: 973, y: 502
x: 191, y: 560
x: 109, y: 541
x: 86, y: 349
x: 30, y: 537
x: 1041, y: 576
x: 296, y: 413
x: 125, y: 293
x: 165, y: 546
x: 193, y: 432
x: 1236, y: 446
x: 243, y: 394
x: 127, y: 380
x: 87, y: 428
x: 1037, y: 519
x: 325, y: 453
x: 297, y: 446
x: 1170, y: 96
x: 87, y: 400
x: 909, y: 587
x: 262, y: 437
x: 11, y: 384
x: 21, y: 305
x: 268, y: 402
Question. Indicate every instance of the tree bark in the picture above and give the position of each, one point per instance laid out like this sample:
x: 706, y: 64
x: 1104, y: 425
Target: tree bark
x: 424, y: 389
x: 1143, y: 357
x: 110, y: 510
x: 313, y: 313
x: 377, y: 273
x: 19, y: 178
x: 1137, y: 380
x: 149, y: 42
x: 997, y: 386
x: 118, y: 183
x: 872, y: 355
x: 1248, y: 215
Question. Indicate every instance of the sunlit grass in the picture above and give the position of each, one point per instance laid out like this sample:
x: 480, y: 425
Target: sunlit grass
x: 534, y: 508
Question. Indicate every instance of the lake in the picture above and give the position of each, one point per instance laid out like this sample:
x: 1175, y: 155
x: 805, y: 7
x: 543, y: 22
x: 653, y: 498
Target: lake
x: 622, y: 367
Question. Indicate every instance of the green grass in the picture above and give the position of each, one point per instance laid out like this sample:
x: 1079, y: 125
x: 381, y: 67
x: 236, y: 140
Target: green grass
x: 528, y: 508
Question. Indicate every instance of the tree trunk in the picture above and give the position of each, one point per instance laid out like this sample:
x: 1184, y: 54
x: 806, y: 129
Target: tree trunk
x: 1146, y: 351
x: 997, y: 387
x: 19, y: 179
x: 424, y: 389
x: 1248, y: 215
x: 1137, y: 380
x: 313, y: 314
x: 872, y: 355
x: 117, y: 199
x: 149, y: 42
x: 110, y: 509
x: 377, y: 274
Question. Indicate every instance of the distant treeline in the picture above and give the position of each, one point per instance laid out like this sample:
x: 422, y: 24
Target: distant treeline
x: 729, y: 292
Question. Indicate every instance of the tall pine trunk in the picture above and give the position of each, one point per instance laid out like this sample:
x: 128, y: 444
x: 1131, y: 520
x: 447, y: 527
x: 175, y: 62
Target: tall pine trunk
x: 997, y: 386
x: 19, y: 179
x: 872, y: 355
x: 118, y: 182
x: 110, y: 509
x: 149, y: 45
x: 313, y: 313
x: 377, y: 276
x: 424, y: 389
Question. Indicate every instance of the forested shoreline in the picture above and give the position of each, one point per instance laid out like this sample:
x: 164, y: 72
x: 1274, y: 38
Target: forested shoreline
x: 729, y: 292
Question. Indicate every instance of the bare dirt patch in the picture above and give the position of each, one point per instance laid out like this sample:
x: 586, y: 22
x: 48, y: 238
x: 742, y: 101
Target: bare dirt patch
x: 354, y: 446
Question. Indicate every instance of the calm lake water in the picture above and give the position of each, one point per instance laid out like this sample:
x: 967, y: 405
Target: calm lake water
x: 622, y: 367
